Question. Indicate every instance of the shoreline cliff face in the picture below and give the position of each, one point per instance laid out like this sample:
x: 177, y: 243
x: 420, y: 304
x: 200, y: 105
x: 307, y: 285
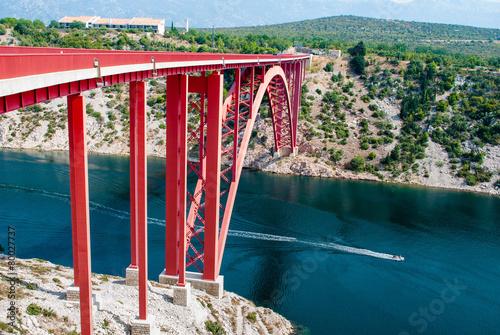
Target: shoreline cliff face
x: 42, y: 308
x: 44, y: 127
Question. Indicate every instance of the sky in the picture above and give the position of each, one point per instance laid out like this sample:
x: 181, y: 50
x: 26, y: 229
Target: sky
x: 230, y: 13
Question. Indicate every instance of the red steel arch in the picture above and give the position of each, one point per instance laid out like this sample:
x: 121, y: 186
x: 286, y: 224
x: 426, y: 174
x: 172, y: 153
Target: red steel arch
x: 238, y: 116
x: 219, y: 140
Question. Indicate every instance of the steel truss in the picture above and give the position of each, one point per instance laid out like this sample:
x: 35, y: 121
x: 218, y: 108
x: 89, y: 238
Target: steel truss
x: 213, y: 143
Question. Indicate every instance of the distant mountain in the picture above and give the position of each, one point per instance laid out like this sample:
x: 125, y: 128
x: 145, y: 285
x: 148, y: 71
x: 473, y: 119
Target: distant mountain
x: 237, y: 13
x: 349, y: 29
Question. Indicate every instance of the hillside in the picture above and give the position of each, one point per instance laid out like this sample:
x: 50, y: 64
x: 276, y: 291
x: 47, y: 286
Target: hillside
x: 42, y: 307
x: 349, y: 29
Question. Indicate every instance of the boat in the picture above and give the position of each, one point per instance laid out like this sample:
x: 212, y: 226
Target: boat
x: 398, y: 258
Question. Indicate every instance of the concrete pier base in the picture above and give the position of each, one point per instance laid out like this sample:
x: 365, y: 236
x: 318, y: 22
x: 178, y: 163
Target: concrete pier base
x: 73, y: 293
x: 132, y: 276
x: 214, y: 288
x: 144, y: 327
x: 182, y: 295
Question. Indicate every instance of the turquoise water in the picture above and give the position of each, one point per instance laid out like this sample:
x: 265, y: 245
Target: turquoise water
x: 314, y: 250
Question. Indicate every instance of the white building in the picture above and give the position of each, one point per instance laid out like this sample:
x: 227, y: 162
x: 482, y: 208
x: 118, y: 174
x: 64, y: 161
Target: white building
x: 158, y: 25
x: 87, y: 20
x: 111, y: 23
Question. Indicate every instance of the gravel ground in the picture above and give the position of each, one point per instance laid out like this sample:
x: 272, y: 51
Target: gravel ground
x: 44, y: 284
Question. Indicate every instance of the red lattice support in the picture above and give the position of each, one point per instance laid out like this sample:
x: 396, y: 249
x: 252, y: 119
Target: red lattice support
x: 217, y: 135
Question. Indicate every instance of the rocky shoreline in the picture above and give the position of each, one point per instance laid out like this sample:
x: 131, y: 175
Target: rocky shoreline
x: 42, y: 308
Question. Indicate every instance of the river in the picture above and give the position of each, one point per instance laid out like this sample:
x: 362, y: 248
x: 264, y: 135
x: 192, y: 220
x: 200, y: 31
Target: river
x: 317, y: 251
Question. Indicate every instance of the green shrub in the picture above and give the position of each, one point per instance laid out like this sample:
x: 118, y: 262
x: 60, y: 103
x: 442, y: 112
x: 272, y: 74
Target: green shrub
x: 252, y: 317
x: 365, y: 146
x: 6, y: 327
x: 34, y: 309
x: 372, y: 156
x: 111, y: 103
x: 336, y: 155
x: 357, y: 163
x: 49, y: 313
x: 97, y: 116
x: 89, y: 108
x: 111, y: 116
x: 214, y: 327
x: 471, y: 180
x: 31, y: 286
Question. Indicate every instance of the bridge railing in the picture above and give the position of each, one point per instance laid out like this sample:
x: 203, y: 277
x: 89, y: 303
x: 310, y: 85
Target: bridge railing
x: 33, y: 75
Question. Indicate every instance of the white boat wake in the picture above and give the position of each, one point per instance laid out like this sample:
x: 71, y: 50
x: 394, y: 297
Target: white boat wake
x: 93, y: 206
x: 322, y: 245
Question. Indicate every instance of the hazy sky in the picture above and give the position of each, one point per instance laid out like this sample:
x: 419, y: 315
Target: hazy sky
x: 227, y: 13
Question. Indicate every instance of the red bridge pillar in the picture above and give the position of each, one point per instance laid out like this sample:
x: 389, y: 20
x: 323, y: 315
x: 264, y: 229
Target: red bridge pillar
x: 80, y: 207
x: 138, y: 200
x: 175, y: 178
x: 132, y: 273
x: 212, y: 193
x: 139, y: 176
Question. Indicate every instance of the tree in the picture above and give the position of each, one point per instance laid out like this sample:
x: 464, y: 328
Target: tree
x: 24, y: 27
x: 38, y: 24
x: 77, y: 25
x: 220, y: 44
x: 337, y: 155
x: 9, y: 22
x: 431, y: 70
x: 3, y: 30
x: 358, y: 64
x: 357, y: 163
x: 442, y: 106
x: 145, y: 41
x: 359, y: 49
x: 54, y: 24
x: 173, y: 30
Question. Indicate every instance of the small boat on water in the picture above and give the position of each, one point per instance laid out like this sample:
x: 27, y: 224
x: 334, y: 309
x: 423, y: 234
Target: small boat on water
x: 398, y: 258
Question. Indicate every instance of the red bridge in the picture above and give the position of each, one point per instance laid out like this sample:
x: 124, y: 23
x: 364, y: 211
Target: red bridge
x: 197, y: 220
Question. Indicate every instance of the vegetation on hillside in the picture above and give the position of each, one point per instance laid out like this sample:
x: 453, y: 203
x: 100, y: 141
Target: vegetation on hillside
x: 441, y: 99
x: 341, y: 31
